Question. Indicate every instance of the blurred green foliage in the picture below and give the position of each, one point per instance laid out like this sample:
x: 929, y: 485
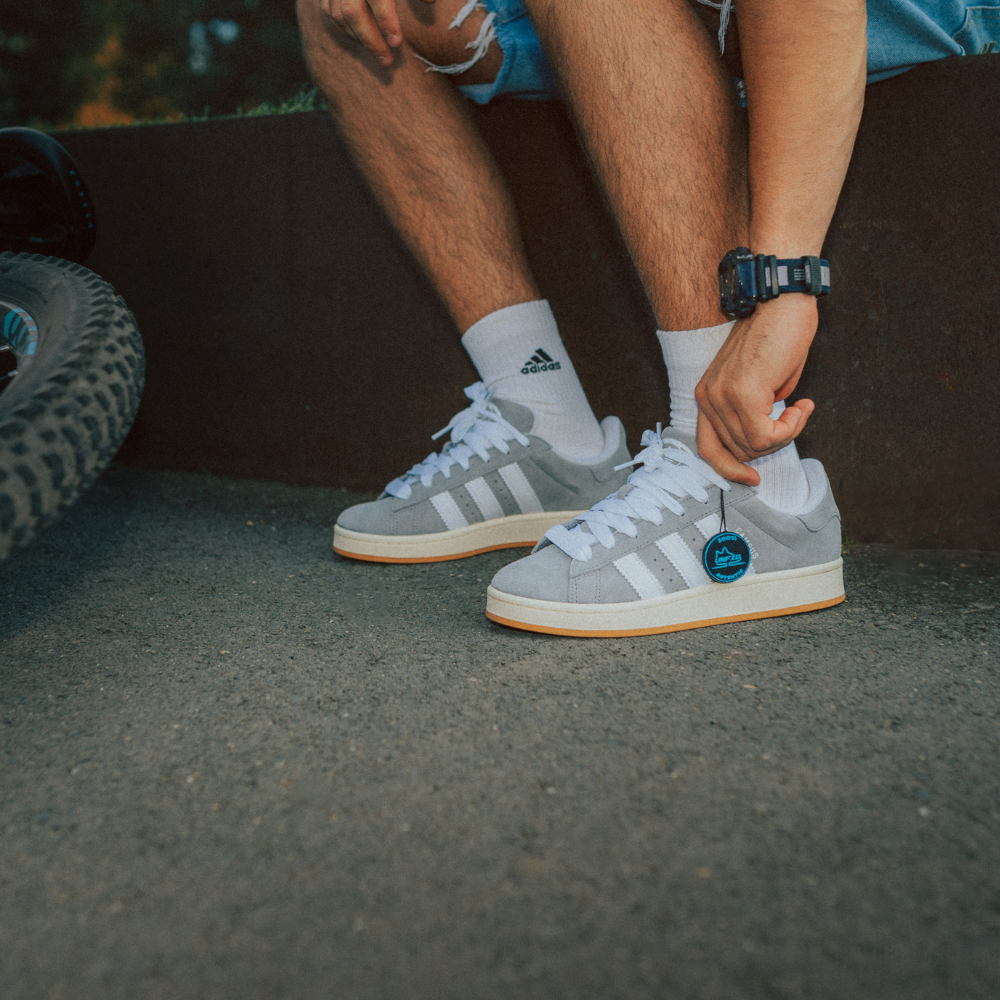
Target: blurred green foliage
x: 90, y: 62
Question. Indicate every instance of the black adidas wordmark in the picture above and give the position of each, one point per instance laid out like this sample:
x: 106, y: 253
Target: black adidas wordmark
x: 540, y: 362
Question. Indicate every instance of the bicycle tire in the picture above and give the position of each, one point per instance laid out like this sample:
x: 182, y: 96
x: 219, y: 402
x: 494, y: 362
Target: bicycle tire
x: 65, y: 414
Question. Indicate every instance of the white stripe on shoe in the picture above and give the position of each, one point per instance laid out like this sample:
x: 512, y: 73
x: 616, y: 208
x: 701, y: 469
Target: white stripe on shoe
x: 709, y: 526
x: 484, y: 498
x: 639, y: 576
x: 520, y: 489
x: 683, y: 559
x: 444, y: 504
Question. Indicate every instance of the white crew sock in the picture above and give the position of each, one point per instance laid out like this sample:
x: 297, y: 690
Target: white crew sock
x: 687, y: 354
x: 504, y: 347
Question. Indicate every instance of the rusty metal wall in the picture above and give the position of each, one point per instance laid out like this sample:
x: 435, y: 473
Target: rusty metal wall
x: 287, y: 331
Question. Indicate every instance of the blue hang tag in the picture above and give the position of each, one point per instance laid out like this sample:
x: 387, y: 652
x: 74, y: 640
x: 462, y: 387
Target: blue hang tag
x: 726, y: 556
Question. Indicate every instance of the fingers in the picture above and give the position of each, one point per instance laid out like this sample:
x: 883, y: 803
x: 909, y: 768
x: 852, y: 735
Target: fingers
x: 387, y: 19
x: 793, y: 420
x: 728, y: 440
x: 711, y: 448
x: 764, y: 436
x: 744, y: 427
x: 373, y: 23
x: 760, y: 362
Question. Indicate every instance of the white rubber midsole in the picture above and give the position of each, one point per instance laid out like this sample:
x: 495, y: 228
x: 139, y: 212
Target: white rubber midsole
x: 498, y: 533
x: 757, y: 596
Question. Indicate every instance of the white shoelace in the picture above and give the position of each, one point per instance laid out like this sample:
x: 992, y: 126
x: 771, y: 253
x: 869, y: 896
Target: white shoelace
x: 669, y: 474
x: 474, y: 431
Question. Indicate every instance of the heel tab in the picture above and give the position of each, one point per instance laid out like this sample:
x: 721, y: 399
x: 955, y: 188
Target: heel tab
x: 822, y: 508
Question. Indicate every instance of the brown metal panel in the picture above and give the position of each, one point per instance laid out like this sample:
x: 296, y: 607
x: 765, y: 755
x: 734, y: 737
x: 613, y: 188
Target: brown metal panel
x: 906, y: 365
x: 285, y: 326
x: 289, y: 335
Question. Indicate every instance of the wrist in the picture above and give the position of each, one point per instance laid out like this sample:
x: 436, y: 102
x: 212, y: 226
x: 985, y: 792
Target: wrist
x: 791, y: 305
x: 787, y: 244
x: 791, y: 321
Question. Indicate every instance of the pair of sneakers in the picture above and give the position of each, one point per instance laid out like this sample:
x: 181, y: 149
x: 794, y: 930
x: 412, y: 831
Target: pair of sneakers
x: 669, y: 545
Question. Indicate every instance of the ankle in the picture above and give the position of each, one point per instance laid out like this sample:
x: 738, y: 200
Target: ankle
x: 519, y: 354
x: 687, y: 355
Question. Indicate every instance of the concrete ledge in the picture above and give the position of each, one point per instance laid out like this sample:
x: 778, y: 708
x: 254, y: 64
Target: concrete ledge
x: 287, y: 331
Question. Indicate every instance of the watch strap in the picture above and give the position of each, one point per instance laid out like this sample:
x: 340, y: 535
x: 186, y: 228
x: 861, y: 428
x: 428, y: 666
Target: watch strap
x: 774, y: 275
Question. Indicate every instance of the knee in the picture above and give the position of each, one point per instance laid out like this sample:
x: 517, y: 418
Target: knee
x: 313, y: 31
x: 308, y: 14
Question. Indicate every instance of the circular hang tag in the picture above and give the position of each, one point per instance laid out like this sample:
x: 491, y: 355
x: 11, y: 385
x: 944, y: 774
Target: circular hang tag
x: 726, y: 557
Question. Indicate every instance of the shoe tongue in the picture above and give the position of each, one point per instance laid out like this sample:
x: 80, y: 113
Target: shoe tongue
x: 515, y: 414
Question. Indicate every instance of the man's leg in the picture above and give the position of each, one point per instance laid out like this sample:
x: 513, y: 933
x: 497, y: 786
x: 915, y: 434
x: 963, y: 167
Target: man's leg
x: 417, y: 147
x: 423, y: 158
x: 657, y: 114
x: 657, y: 111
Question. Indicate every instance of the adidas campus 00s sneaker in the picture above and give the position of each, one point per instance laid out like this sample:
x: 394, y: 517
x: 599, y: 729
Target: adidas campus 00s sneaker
x: 650, y: 559
x: 493, y: 486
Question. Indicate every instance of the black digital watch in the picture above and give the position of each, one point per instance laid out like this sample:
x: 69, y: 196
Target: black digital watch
x: 746, y: 279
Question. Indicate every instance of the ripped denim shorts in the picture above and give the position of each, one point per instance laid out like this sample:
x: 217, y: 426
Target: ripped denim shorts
x: 901, y: 35
x: 525, y: 73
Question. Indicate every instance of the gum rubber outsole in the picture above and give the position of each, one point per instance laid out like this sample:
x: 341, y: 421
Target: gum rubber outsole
x: 512, y: 532
x: 747, y: 600
x: 429, y: 559
x: 583, y: 634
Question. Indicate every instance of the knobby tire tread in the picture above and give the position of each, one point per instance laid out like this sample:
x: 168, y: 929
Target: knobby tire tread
x: 57, y: 441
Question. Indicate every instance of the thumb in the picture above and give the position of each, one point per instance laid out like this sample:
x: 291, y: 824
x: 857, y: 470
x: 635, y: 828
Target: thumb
x: 794, y: 418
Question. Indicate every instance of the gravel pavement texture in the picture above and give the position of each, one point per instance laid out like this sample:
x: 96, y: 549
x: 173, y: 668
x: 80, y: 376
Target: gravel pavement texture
x: 236, y: 766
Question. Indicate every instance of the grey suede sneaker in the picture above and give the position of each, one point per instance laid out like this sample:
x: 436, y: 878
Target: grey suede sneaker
x: 653, y: 557
x: 493, y: 486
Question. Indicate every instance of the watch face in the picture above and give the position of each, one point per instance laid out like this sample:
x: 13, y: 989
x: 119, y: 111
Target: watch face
x: 729, y: 285
x: 736, y: 283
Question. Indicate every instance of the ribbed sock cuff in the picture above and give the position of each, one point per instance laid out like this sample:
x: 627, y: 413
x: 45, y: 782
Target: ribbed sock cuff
x: 687, y: 355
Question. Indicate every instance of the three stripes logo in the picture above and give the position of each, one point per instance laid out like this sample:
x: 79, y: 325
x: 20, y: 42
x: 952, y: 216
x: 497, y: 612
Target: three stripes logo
x: 540, y: 362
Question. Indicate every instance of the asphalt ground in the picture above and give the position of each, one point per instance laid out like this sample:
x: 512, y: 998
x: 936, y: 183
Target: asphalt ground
x: 234, y: 765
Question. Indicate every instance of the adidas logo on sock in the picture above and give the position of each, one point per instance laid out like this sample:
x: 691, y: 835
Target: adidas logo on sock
x: 540, y: 362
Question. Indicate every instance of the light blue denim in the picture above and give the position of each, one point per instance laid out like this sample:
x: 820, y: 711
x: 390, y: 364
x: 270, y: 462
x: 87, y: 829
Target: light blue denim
x: 525, y: 73
x: 901, y: 34
x: 904, y: 33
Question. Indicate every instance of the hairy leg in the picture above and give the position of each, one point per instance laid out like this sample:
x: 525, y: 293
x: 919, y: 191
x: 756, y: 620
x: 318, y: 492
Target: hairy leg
x: 422, y: 156
x: 658, y: 115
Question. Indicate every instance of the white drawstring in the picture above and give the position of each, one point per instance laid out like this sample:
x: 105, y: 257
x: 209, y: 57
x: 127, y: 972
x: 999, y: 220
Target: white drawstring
x: 466, y: 10
x: 725, y: 9
x: 487, y: 34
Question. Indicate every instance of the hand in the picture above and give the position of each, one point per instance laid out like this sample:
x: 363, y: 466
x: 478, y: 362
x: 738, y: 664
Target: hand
x: 373, y: 23
x: 759, y: 364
